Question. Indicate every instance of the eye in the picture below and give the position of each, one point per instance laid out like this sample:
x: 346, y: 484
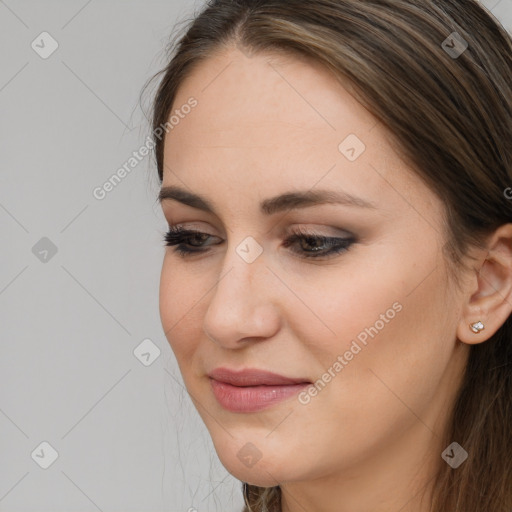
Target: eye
x: 183, y: 240
x: 311, y: 245
x: 307, y: 245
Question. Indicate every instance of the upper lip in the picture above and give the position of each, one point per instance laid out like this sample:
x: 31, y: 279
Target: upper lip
x: 253, y: 377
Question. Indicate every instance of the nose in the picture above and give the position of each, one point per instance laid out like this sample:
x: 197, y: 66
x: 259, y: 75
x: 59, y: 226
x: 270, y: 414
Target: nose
x: 243, y: 306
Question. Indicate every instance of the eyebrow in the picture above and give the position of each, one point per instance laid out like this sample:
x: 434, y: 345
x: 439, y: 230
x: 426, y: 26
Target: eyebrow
x: 286, y: 201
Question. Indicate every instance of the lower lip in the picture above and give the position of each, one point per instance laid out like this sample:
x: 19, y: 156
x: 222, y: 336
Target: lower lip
x: 252, y: 398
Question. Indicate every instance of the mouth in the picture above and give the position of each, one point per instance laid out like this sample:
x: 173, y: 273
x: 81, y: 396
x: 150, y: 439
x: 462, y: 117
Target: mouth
x: 252, y: 390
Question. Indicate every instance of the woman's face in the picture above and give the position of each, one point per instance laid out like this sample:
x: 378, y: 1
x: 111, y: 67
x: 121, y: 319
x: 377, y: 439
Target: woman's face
x: 373, y: 325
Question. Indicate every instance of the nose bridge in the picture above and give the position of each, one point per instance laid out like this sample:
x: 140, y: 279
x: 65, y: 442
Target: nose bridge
x: 240, y: 304
x: 244, y: 267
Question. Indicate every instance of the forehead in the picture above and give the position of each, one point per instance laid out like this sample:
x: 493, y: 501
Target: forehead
x: 276, y: 98
x: 263, y: 123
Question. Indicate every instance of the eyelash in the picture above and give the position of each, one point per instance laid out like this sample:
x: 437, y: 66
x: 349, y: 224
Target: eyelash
x: 178, y: 236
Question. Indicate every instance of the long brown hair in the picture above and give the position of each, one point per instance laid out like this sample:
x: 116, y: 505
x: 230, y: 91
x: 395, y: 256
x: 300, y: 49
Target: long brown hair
x: 448, y: 110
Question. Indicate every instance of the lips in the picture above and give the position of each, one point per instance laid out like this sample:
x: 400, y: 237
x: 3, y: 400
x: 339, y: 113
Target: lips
x: 254, y: 377
x: 252, y: 390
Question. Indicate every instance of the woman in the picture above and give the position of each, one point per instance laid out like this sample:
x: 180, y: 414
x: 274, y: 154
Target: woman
x: 337, y: 286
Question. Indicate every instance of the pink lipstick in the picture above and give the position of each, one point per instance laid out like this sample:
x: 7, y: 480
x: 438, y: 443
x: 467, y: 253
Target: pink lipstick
x: 252, y: 390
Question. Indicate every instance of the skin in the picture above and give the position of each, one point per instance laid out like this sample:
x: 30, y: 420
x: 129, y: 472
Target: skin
x: 372, y: 438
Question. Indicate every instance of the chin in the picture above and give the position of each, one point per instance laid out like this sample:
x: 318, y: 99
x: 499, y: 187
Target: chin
x: 261, y: 474
x: 246, y: 462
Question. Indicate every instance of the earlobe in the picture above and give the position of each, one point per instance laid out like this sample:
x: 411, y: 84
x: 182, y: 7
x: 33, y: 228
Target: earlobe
x: 487, y: 308
x: 476, y: 327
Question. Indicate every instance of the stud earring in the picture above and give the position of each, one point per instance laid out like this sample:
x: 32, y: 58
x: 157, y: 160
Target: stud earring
x: 477, y: 327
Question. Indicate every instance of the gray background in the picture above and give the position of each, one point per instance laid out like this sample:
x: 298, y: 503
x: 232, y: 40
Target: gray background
x: 126, y: 433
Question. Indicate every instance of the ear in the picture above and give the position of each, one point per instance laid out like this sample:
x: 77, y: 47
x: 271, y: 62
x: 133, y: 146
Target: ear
x: 490, y: 289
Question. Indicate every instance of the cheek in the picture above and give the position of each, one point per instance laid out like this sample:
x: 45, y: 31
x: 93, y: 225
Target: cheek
x: 408, y: 360
x: 347, y: 304
x: 389, y: 320
x: 179, y: 305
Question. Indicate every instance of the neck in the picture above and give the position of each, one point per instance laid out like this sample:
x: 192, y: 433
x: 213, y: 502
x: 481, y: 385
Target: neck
x: 399, y: 478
